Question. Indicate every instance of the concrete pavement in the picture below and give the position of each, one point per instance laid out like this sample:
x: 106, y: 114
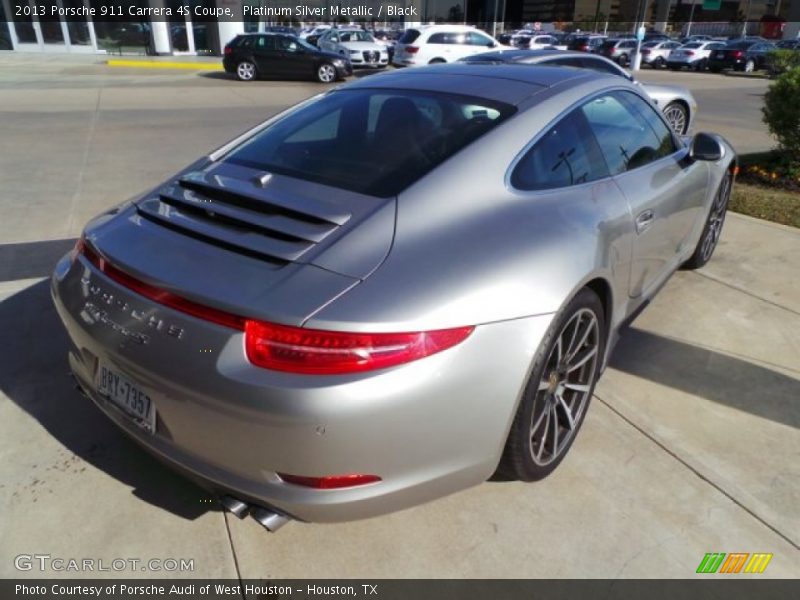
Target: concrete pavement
x: 691, y: 445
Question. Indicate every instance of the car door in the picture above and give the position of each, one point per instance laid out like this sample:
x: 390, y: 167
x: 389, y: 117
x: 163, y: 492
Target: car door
x: 329, y: 42
x: 265, y: 55
x: 295, y: 60
x: 665, y: 189
x: 572, y: 194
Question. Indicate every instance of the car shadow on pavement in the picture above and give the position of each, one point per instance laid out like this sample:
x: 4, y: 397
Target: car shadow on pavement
x: 718, y: 377
x: 34, y: 375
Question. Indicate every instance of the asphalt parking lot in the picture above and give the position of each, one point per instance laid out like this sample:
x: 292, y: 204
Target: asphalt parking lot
x: 691, y: 445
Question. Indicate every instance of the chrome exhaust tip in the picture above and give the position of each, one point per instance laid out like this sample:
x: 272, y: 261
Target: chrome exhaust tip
x: 271, y: 520
x: 237, y: 507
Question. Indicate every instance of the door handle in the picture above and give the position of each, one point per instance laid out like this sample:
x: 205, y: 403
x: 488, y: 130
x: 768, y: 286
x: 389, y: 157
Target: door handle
x: 644, y: 220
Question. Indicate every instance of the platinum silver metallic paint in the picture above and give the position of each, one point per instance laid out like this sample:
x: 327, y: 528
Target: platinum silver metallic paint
x: 458, y: 247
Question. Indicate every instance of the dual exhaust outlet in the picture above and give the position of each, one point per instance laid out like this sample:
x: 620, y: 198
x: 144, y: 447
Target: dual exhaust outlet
x: 271, y: 520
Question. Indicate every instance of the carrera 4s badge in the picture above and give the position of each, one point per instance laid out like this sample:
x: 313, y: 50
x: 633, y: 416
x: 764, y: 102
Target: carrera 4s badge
x: 96, y: 310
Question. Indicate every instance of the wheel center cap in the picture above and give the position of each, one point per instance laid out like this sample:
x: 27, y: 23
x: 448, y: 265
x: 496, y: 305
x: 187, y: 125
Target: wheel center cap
x: 553, y: 381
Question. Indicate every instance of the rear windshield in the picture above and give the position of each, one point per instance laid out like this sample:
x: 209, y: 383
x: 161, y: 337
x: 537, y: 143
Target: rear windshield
x: 692, y: 45
x: 370, y: 141
x: 409, y: 37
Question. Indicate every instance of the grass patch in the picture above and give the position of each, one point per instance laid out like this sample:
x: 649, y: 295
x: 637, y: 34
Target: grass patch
x: 770, y: 203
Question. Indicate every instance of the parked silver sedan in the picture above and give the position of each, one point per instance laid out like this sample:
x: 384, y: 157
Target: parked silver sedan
x: 676, y: 102
x: 318, y: 329
x: 357, y: 45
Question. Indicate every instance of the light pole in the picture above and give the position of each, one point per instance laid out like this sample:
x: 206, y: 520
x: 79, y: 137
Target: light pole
x: 494, y: 20
x: 691, y: 17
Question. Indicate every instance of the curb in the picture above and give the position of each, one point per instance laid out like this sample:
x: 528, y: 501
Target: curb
x: 152, y: 64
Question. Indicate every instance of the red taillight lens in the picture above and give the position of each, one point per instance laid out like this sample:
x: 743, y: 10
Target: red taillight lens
x: 412, y: 49
x: 737, y: 54
x: 583, y: 48
x: 330, y: 482
x: 295, y: 349
x: 299, y: 350
x: 689, y: 53
x: 645, y: 51
x: 228, y: 50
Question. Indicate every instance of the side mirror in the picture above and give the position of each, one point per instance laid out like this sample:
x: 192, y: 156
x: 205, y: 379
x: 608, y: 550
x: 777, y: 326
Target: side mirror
x: 706, y: 147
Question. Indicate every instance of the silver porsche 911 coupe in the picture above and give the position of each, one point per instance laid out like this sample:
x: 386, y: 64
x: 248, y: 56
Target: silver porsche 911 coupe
x: 391, y: 291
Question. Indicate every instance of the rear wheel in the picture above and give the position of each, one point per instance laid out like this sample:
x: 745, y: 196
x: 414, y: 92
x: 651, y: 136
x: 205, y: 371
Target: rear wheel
x: 326, y: 73
x: 658, y: 63
x: 437, y: 61
x: 714, y: 69
x: 623, y: 60
x: 557, y: 395
x: 700, y: 65
x: 713, y: 227
x: 246, y: 71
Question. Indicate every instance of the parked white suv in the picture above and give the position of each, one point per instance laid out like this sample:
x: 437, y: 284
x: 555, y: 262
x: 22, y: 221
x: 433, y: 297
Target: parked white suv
x: 432, y: 44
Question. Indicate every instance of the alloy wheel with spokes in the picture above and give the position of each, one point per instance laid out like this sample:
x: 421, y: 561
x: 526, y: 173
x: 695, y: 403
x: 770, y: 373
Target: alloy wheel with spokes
x: 713, y: 227
x: 558, y: 392
x: 676, y: 116
x: 246, y: 71
x: 326, y: 73
x: 563, y: 392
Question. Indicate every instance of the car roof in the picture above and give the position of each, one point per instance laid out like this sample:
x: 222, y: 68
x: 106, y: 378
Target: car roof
x: 454, y: 27
x: 502, y: 83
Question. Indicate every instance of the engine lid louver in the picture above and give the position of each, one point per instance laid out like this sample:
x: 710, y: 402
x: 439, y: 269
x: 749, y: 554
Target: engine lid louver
x: 244, y: 215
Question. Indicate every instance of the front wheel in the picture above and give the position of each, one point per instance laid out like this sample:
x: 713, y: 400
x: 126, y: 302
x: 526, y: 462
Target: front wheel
x: 437, y: 61
x: 700, y: 65
x: 658, y: 63
x: 558, y: 392
x: 326, y: 73
x: 246, y: 71
x: 713, y: 227
x: 677, y: 116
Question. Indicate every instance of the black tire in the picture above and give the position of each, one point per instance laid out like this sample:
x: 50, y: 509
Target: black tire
x: 622, y: 60
x: 437, y: 61
x: 674, y: 68
x: 518, y: 461
x: 246, y: 70
x: 713, y: 226
x: 714, y: 69
x: 701, y: 65
x: 659, y: 63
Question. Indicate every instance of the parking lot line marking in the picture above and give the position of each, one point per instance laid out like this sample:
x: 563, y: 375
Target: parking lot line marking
x: 153, y: 64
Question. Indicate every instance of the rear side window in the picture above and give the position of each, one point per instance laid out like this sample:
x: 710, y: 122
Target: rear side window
x: 566, y: 155
x: 447, y: 38
x: 625, y: 136
x: 601, y: 66
x: 342, y: 138
x: 409, y: 37
x: 478, y: 39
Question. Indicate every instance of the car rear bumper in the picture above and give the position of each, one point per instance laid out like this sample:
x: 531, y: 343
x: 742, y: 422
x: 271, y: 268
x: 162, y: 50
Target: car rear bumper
x: 427, y: 428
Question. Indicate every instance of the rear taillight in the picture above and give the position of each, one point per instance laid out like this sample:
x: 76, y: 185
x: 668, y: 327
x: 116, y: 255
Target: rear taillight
x: 645, y: 51
x: 296, y: 349
x: 300, y: 350
x: 330, y: 482
x: 583, y: 48
x: 737, y: 54
x: 228, y: 50
x: 689, y: 53
x: 412, y: 49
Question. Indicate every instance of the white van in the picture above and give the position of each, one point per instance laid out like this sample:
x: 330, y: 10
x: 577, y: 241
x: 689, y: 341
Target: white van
x: 431, y: 44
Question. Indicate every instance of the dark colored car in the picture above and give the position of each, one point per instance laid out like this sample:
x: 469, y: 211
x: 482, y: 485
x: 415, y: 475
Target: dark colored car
x: 280, y: 29
x: 587, y: 43
x: 276, y: 55
x: 732, y: 56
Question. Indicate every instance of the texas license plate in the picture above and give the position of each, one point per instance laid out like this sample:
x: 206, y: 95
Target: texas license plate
x: 131, y: 399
